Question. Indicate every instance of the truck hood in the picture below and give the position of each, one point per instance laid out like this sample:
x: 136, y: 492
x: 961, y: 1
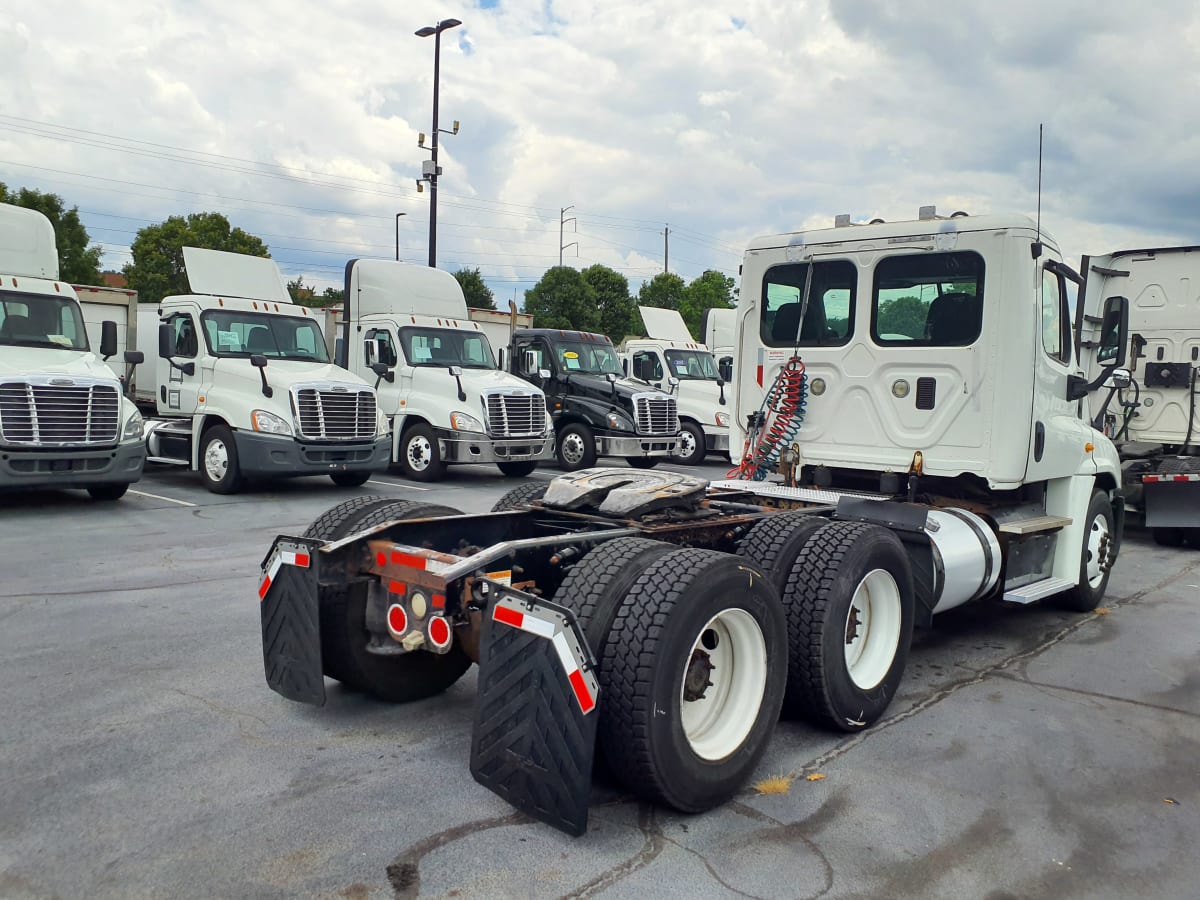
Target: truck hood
x: 17, y: 361
x: 598, y: 387
x: 283, y: 373
x: 483, y: 380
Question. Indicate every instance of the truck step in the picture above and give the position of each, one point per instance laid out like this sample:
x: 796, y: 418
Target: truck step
x: 1038, y: 590
x: 168, y: 460
x: 1035, y: 525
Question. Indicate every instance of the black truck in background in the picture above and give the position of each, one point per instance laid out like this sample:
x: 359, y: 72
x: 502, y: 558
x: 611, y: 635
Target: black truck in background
x: 596, y: 410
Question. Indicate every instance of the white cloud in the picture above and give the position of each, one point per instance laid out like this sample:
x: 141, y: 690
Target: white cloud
x: 724, y: 120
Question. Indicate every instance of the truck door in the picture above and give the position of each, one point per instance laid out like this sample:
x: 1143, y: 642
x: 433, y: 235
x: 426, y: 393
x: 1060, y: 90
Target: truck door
x: 383, y: 342
x: 178, y: 391
x: 1057, y: 435
x: 542, y: 360
x: 647, y: 365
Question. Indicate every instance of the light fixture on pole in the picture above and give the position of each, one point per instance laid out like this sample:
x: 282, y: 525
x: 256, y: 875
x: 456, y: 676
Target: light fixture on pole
x: 430, y: 170
x: 398, y: 215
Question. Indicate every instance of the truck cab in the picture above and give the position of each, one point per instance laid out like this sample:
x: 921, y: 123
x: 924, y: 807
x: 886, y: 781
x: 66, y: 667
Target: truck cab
x: 407, y: 328
x: 64, y: 419
x: 244, y: 386
x: 718, y: 328
x: 668, y: 358
x: 596, y: 410
x: 1151, y: 413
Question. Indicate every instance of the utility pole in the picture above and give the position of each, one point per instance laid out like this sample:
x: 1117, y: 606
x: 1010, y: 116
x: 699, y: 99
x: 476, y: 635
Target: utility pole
x: 561, y: 223
x: 431, y: 170
x: 398, y: 215
x: 666, y: 244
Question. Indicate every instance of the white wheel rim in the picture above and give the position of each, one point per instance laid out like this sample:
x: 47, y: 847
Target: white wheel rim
x: 216, y: 460
x: 420, y: 453
x: 1097, y: 538
x: 717, y: 723
x: 872, y: 631
x: 573, y: 449
x: 687, y: 444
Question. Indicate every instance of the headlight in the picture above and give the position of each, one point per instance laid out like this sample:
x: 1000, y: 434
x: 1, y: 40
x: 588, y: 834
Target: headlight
x: 460, y: 421
x: 133, y: 428
x: 269, y: 422
x: 619, y: 423
x: 549, y: 421
x: 723, y: 419
x: 382, y: 424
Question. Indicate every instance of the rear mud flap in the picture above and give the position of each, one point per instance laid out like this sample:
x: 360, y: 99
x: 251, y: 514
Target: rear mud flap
x: 289, y: 596
x: 536, y: 710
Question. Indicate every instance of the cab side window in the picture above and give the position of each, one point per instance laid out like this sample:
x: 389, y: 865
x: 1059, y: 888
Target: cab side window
x: 647, y: 366
x: 1055, y: 317
x: 385, y: 347
x: 184, y: 331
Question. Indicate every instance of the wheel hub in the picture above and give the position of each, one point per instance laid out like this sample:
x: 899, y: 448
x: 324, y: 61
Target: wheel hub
x: 696, y: 680
x: 419, y: 453
x: 853, y: 624
x: 216, y: 460
x: 572, y: 448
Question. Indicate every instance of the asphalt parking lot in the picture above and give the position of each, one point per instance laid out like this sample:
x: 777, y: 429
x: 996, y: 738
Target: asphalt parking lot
x: 1030, y: 752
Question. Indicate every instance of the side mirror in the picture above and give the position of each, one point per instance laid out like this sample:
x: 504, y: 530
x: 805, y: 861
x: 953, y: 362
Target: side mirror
x: 529, y: 362
x: 720, y: 382
x: 370, y: 355
x: 1114, y: 332
x: 1121, y: 378
x: 625, y: 367
x: 108, y: 339
x: 258, y: 361
x: 382, y: 373
x: 456, y: 371
x: 134, y: 357
x: 543, y: 374
x: 673, y: 382
x: 725, y: 367
x: 501, y: 359
x: 166, y: 347
x: 611, y: 376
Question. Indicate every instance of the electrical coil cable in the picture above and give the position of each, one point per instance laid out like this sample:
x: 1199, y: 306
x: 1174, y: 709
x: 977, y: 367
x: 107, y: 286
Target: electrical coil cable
x: 776, y: 424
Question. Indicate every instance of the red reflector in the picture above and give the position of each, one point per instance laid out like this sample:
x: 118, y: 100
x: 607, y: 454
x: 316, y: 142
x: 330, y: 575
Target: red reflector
x: 508, y: 616
x: 302, y: 560
x: 264, y: 587
x: 397, y: 619
x: 439, y: 631
x: 407, y: 559
x: 439, y: 601
x: 397, y: 587
x: 586, y: 703
x: 381, y: 559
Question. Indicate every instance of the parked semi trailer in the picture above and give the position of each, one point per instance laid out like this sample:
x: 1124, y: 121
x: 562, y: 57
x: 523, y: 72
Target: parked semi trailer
x: 65, y: 421
x: 908, y: 442
x: 1152, y: 413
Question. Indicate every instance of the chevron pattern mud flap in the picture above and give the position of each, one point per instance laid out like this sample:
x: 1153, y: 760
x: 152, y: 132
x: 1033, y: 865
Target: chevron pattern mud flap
x: 536, y: 710
x: 289, y: 600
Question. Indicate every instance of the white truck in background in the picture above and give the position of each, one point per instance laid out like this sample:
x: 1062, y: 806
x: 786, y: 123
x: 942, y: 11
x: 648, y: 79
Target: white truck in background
x: 101, y: 304
x: 670, y: 359
x: 65, y: 421
x: 1152, y: 413
x: 243, y: 386
x: 408, y: 328
x: 718, y: 326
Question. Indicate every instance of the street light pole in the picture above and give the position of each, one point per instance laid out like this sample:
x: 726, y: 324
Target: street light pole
x: 431, y: 169
x: 398, y: 215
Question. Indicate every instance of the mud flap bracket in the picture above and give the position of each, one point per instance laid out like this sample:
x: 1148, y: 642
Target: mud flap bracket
x: 536, y: 710
x: 290, y: 606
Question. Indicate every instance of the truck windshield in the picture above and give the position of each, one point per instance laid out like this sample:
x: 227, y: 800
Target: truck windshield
x: 443, y: 347
x: 694, y: 364
x: 35, y: 320
x: 231, y: 332
x: 590, y: 358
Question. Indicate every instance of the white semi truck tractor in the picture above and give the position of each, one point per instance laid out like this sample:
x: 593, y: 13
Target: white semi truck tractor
x: 65, y: 421
x: 909, y: 441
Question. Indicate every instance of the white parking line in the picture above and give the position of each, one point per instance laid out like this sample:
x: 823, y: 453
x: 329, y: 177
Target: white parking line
x: 160, y: 497
x: 407, y: 487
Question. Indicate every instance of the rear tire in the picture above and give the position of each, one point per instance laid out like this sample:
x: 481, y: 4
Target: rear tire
x: 350, y: 479
x: 775, y: 541
x: 517, y: 469
x: 693, y: 676
x: 642, y: 462
x: 849, y: 603
x: 1093, y: 558
x: 692, y: 447
x: 344, y: 635
x: 108, y: 492
x: 520, y: 497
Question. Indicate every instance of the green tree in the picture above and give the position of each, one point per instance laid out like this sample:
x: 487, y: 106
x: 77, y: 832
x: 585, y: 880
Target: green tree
x: 618, y: 312
x: 157, y: 268
x: 78, y: 263
x: 665, y: 290
x: 904, y: 315
x: 563, y: 299
x: 711, y: 289
x: 478, y: 294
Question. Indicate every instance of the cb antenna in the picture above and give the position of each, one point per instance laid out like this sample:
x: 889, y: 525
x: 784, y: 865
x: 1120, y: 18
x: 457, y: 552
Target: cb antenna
x: 1036, y: 249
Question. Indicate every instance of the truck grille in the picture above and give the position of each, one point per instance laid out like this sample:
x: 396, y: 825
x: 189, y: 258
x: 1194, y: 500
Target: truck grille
x: 329, y: 413
x: 655, y: 414
x: 47, y: 415
x: 515, y: 415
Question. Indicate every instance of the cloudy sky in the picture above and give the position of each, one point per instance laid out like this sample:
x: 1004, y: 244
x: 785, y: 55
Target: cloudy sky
x: 717, y: 120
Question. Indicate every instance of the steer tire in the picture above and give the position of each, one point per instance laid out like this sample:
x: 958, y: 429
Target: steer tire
x: 658, y: 636
x: 517, y: 469
x: 344, y: 636
x: 820, y: 588
x: 521, y: 496
x: 643, y: 462
x: 775, y: 540
x: 1086, y: 595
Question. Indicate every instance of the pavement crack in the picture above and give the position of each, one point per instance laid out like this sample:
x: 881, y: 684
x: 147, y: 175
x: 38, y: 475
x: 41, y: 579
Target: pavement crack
x: 233, y: 714
x: 651, y: 848
x: 404, y: 873
x: 1097, y: 695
